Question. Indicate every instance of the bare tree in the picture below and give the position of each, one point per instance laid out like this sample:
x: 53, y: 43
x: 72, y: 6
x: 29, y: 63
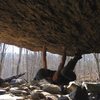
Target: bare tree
x: 90, y: 69
x: 3, y: 52
x: 13, y: 61
x: 84, y: 67
x: 27, y: 65
x: 96, y: 56
x: 19, y: 60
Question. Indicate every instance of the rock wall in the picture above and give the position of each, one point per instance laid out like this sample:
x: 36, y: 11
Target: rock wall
x: 56, y: 23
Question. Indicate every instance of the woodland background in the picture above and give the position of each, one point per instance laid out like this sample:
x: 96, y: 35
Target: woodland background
x: 15, y: 60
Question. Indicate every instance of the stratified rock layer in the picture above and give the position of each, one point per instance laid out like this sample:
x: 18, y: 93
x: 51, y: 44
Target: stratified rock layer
x: 56, y: 23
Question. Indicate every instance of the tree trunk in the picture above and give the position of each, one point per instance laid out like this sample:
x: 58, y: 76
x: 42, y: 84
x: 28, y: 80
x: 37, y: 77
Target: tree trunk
x: 84, y: 68
x: 19, y: 60
x: 44, y: 58
x: 27, y: 77
x: 96, y: 56
x: 3, y: 49
x: 13, y: 61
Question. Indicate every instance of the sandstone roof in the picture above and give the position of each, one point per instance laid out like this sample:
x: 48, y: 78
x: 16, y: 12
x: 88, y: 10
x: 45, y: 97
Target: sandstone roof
x: 56, y: 23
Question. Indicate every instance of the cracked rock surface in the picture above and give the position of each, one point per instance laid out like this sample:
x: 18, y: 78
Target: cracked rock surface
x: 74, y: 24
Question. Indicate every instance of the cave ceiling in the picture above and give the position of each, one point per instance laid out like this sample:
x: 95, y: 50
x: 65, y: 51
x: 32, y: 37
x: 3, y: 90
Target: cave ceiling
x: 31, y: 24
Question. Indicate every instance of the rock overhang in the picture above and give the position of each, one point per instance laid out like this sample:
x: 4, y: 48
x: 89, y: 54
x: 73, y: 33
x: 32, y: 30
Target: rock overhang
x: 54, y: 23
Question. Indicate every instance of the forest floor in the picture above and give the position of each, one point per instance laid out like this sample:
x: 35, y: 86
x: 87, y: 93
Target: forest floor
x: 43, y: 90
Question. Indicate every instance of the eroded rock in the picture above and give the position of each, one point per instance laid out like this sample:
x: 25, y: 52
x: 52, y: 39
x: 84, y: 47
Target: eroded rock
x: 56, y: 23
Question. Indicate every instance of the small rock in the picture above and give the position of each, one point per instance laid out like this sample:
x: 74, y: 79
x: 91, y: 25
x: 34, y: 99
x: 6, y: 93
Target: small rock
x: 37, y: 95
x: 54, y: 89
x: 2, y: 91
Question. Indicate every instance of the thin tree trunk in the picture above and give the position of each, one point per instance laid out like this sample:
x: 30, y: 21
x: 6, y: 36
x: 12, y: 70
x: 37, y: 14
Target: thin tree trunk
x: 19, y: 60
x: 2, y: 57
x: 44, y: 58
x: 27, y: 65
x: 90, y: 70
x: 13, y: 63
x: 84, y: 68
x: 96, y: 56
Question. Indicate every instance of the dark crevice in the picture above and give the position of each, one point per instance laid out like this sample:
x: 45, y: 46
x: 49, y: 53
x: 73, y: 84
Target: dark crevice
x: 93, y: 5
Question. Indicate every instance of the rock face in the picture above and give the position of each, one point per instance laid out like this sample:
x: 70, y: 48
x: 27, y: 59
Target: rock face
x: 55, y: 23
